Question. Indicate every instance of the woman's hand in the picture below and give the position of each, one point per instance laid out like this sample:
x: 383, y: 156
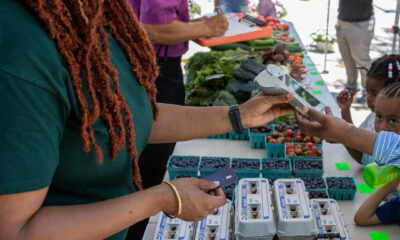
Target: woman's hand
x: 325, y: 126
x: 262, y: 109
x: 217, y: 25
x: 345, y: 99
x: 196, y: 204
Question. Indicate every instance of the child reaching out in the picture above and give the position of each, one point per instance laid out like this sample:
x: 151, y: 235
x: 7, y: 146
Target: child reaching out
x: 387, y: 118
x: 383, y: 71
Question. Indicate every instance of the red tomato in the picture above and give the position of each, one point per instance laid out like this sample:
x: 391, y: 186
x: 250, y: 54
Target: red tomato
x: 270, y: 19
x: 284, y: 27
x: 271, y: 24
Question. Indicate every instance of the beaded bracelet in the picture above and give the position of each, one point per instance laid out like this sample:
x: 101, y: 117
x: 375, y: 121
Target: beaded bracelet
x: 178, y: 197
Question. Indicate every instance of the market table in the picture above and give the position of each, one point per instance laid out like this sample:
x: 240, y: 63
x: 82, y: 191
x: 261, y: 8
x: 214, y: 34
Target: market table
x: 333, y: 153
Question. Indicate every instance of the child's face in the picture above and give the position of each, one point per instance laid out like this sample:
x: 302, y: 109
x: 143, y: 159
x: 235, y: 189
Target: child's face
x: 373, y: 88
x: 387, y: 114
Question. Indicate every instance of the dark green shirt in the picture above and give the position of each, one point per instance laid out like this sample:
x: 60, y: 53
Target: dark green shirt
x: 40, y: 142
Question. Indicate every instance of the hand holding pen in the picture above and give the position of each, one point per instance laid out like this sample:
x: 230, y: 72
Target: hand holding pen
x: 217, y: 25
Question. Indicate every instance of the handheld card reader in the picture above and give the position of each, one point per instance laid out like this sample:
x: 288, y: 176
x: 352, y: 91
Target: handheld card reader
x: 275, y: 81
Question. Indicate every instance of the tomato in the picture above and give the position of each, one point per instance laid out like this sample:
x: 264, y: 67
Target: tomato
x: 270, y: 19
x: 271, y: 24
x: 284, y: 27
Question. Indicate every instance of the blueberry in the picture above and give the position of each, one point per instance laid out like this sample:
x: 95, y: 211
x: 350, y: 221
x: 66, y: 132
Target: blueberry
x: 314, y: 183
x: 308, y: 164
x: 183, y: 176
x: 276, y: 165
x: 214, y: 162
x: 245, y: 163
x: 184, y: 162
x: 340, y: 183
x: 317, y: 194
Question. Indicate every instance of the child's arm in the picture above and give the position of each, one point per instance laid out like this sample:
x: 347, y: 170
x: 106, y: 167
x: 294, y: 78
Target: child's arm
x: 344, y: 100
x: 366, y: 214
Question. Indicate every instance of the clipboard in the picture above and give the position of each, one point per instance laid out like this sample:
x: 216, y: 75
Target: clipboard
x: 238, y: 31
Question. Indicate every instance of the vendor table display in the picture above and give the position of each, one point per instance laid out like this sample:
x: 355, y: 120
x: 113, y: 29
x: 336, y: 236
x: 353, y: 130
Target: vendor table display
x: 270, y: 151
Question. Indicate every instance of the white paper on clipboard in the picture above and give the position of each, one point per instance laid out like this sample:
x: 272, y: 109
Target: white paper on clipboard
x: 237, y: 27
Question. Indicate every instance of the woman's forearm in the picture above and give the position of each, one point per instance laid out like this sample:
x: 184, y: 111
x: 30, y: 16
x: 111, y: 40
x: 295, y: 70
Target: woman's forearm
x: 179, y: 123
x: 96, y: 220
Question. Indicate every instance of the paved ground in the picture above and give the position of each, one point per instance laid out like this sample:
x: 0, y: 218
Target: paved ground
x: 310, y: 16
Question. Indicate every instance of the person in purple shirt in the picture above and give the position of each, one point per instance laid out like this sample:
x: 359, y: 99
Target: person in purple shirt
x: 169, y: 28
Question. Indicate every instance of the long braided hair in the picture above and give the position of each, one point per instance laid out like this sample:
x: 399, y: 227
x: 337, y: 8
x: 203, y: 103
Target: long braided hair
x: 77, y: 27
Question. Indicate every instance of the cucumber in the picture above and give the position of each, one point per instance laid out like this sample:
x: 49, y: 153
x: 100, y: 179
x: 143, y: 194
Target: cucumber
x: 232, y: 46
x: 265, y: 41
x: 263, y: 48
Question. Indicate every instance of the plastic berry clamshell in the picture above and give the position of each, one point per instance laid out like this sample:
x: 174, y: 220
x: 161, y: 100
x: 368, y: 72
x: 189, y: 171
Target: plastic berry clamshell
x: 168, y: 228
x: 295, y: 219
x: 216, y: 225
x: 308, y: 168
x: 183, y: 166
x: 276, y: 168
x: 246, y: 167
x: 341, y: 188
x: 328, y: 219
x: 209, y: 165
x: 257, y: 135
x: 254, y: 218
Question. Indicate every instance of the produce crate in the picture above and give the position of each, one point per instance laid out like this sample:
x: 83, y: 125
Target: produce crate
x: 210, y: 165
x: 181, y: 168
x: 274, y: 150
x: 276, y: 173
x: 249, y: 171
x: 219, y: 136
x: 318, y: 193
x: 257, y: 140
x: 232, y: 135
x: 342, y: 193
x: 308, y: 172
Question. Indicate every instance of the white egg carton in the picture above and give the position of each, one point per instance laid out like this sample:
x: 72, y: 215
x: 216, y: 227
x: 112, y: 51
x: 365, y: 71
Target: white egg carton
x: 295, y: 220
x: 215, y: 226
x: 254, y: 218
x: 328, y: 219
x: 168, y: 228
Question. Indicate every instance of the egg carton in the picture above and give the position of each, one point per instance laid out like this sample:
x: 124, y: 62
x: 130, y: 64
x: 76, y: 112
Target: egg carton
x: 168, y: 228
x: 328, y: 219
x: 295, y: 219
x: 254, y: 217
x: 215, y: 226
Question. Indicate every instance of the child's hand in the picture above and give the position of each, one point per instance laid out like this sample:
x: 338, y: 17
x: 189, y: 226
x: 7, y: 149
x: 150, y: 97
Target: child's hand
x: 344, y: 99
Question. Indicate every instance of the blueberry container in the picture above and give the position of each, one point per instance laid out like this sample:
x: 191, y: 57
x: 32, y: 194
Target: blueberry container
x: 257, y: 139
x: 246, y: 167
x: 276, y: 168
x: 210, y: 165
x: 314, y: 183
x: 232, y: 135
x: 219, y: 136
x: 187, y: 166
x: 341, y: 188
x: 318, y: 193
x: 308, y: 168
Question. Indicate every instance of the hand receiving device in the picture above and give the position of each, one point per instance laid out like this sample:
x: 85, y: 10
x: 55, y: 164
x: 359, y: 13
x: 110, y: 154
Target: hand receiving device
x: 274, y: 81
